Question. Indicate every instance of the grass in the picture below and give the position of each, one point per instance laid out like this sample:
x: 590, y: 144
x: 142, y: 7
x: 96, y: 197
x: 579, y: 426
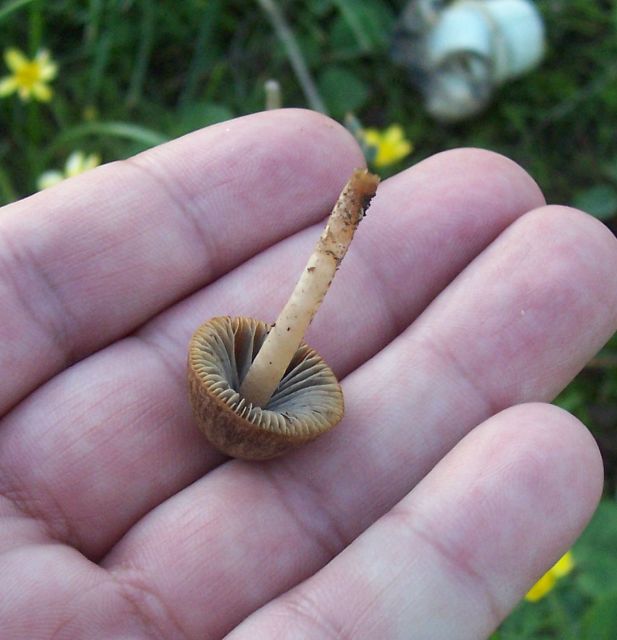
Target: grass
x: 134, y: 73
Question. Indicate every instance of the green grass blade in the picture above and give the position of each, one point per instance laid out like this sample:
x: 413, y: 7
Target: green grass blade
x: 348, y: 11
x: 202, y: 58
x: 124, y: 130
x: 101, y: 49
x: 9, y: 7
x: 142, y: 59
x: 7, y: 192
x: 93, y: 22
x: 294, y: 53
x: 35, y: 26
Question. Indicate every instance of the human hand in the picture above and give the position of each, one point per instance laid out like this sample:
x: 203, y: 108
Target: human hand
x: 447, y: 489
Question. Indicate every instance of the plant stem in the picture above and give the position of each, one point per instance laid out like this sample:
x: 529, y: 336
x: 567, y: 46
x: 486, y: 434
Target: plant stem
x: 144, y: 51
x: 10, y: 7
x: 273, y: 94
x: 608, y: 361
x: 35, y: 27
x: 35, y: 36
x: 203, y: 59
x: 285, y: 336
x: 286, y: 36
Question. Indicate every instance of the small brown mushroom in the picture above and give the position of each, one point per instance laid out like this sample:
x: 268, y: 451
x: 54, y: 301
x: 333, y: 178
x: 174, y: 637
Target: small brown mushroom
x: 257, y: 390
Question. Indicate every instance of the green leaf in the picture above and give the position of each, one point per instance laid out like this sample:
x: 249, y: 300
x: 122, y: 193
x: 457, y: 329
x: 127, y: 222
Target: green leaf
x: 7, y: 191
x: 10, y: 7
x: 349, y: 11
x: 572, y: 398
x: 595, y: 553
x: 369, y: 23
x: 195, y: 116
x: 126, y: 130
x: 319, y: 8
x: 600, y: 201
x: 342, y: 91
x: 600, y: 620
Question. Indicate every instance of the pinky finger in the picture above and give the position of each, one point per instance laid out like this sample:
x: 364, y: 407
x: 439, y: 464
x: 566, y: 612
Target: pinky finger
x: 455, y: 556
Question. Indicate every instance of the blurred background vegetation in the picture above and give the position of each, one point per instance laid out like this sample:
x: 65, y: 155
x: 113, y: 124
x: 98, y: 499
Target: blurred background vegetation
x: 134, y: 73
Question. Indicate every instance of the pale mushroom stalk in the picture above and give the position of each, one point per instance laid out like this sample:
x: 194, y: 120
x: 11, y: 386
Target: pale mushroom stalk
x: 285, y: 336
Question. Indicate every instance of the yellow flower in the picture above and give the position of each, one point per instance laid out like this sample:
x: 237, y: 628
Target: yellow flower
x: 76, y: 163
x: 560, y: 569
x: 29, y: 78
x: 390, y: 145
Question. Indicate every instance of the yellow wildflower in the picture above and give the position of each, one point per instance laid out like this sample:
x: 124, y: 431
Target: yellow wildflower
x: 390, y: 145
x: 546, y: 583
x: 29, y: 78
x: 77, y: 163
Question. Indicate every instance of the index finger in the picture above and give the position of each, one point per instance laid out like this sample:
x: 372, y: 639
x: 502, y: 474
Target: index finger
x: 89, y: 261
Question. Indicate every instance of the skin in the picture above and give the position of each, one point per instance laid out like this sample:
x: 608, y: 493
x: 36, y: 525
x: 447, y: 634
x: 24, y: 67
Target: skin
x: 446, y: 491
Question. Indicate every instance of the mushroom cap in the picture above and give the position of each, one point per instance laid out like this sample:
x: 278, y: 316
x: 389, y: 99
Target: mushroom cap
x: 307, y: 402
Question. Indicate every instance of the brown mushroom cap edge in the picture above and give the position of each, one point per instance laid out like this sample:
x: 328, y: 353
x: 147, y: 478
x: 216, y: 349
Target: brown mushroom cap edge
x: 307, y: 402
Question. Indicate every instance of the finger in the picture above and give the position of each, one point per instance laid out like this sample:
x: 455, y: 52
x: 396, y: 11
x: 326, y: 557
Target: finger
x: 424, y: 226
x: 273, y: 525
x: 72, y: 597
x: 49, y: 591
x: 452, y: 559
x: 90, y: 260
x: 121, y: 438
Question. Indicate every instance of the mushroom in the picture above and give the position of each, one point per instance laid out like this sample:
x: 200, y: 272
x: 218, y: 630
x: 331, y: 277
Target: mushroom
x: 258, y: 390
x: 458, y: 53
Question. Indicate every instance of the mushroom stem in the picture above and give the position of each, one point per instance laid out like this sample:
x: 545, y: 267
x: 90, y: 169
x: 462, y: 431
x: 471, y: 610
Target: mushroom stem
x: 285, y: 336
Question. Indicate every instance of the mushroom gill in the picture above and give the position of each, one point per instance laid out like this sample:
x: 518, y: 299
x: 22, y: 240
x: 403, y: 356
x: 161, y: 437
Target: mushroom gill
x: 307, y: 402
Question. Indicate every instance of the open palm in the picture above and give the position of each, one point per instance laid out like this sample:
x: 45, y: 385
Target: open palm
x: 448, y: 488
